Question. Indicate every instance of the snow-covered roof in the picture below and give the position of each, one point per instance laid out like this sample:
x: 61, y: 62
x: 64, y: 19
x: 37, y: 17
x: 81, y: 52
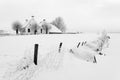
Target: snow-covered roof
x: 28, y: 23
x: 54, y: 28
x: 42, y: 23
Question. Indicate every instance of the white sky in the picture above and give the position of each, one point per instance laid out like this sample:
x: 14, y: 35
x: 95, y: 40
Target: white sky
x: 79, y: 15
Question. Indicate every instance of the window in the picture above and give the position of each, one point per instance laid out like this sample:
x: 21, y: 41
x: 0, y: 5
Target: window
x: 28, y: 30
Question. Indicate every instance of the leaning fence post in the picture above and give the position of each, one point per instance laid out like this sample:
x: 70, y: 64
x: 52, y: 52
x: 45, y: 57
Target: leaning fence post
x: 83, y: 43
x: 60, y: 47
x: 95, y: 61
x: 78, y: 44
x: 35, y: 53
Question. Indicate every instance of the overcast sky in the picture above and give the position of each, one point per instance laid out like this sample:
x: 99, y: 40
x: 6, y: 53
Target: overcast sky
x: 79, y: 15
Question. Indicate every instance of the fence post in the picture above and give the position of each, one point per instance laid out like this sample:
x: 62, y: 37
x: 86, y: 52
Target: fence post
x: 35, y: 53
x: 83, y: 43
x: 60, y: 47
x: 95, y: 61
x: 78, y: 44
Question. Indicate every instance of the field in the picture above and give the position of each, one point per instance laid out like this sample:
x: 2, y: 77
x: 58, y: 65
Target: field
x: 13, y: 48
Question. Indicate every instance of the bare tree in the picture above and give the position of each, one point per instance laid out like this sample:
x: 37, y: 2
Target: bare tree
x: 22, y: 31
x: 46, y: 27
x: 34, y: 27
x: 17, y: 26
x: 59, y: 23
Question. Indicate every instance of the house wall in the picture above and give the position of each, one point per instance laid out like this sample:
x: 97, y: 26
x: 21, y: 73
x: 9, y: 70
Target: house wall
x: 32, y: 32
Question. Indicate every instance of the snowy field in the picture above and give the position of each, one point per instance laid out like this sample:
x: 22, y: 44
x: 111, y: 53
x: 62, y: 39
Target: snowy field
x: 13, y: 48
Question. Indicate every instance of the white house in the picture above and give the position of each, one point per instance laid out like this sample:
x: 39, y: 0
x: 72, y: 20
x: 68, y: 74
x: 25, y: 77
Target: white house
x: 40, y: 28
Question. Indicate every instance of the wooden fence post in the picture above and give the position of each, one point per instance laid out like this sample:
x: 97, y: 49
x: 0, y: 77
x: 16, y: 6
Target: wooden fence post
x: 78, y: 44
x: 35, y: 53
x: 60, y: 47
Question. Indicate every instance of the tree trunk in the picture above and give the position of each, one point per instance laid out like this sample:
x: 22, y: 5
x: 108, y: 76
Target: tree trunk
x: 35, y: 31
x: 16, y: 31
x: 46, y: 30
x: 41, y: 30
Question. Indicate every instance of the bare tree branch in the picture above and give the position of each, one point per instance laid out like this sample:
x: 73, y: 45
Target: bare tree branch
x: 59, y: 23
x: 16, y: 26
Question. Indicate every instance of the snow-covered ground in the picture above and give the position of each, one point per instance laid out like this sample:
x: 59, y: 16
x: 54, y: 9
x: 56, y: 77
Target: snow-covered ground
x: 13, y: 48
